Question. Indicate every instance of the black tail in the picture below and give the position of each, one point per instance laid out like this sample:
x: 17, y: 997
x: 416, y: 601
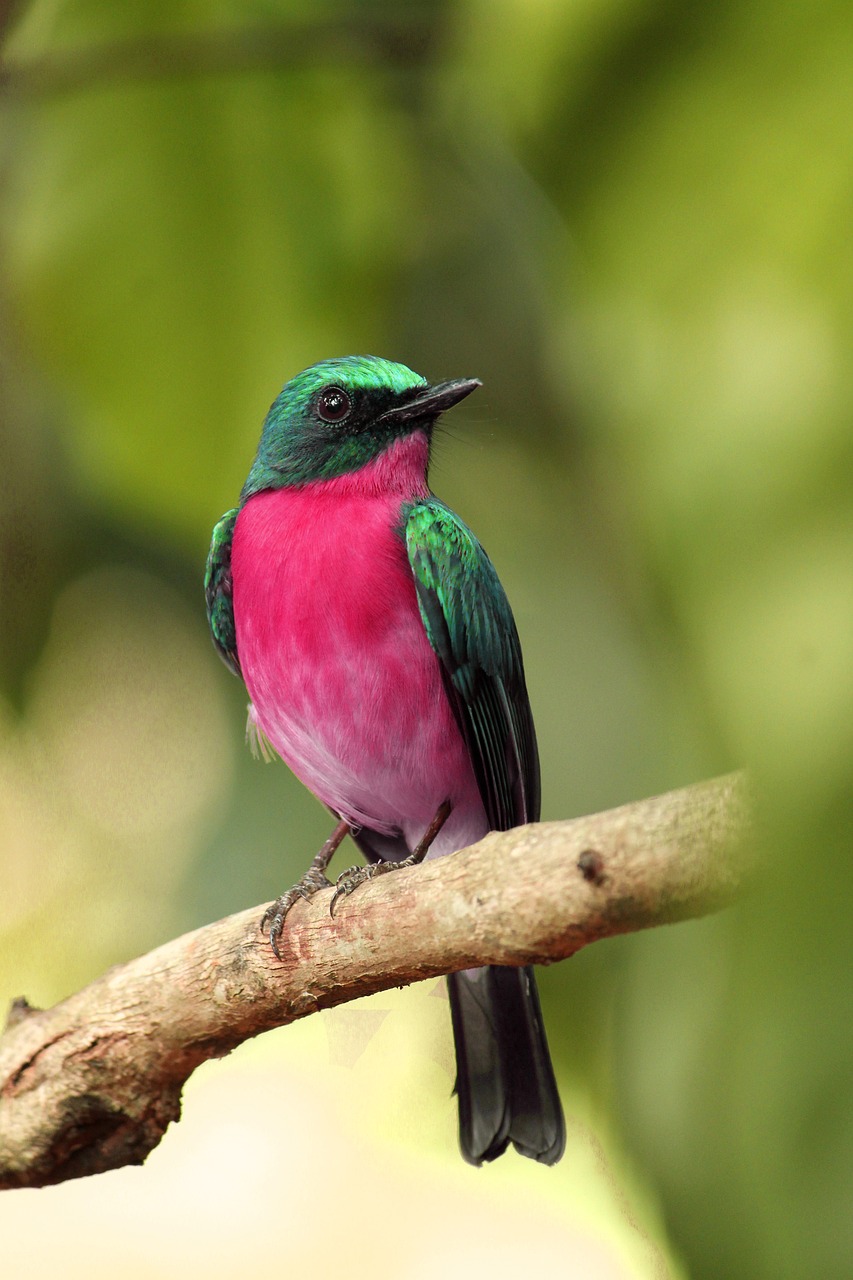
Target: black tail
x: 504, y: 1078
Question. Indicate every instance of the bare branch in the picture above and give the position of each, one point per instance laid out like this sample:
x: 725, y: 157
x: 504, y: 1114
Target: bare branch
x: 92, y: 1083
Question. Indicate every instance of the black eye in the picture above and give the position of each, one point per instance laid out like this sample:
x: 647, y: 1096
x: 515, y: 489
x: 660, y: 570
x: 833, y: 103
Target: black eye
x: 333, y: 404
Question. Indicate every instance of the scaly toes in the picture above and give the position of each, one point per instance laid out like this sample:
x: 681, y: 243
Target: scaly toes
x: 274, y: 916
x: 273, y: 919
x: 347, y: 881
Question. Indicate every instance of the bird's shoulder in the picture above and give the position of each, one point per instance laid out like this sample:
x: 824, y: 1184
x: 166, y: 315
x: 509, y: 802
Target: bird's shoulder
x: 218, y: 592
x: 463, y: 604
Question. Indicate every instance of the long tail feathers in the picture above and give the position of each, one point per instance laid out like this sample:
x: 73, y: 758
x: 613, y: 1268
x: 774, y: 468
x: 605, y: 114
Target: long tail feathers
x: 504, y: 1078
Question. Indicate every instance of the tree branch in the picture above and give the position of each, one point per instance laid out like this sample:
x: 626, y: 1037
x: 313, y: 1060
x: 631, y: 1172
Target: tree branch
x: 93, y: 1083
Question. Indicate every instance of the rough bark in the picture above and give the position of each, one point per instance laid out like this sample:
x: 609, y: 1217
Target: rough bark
x: 93, y: 1083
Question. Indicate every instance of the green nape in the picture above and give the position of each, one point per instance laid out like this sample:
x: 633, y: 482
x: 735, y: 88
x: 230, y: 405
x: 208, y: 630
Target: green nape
x: 297, y: 445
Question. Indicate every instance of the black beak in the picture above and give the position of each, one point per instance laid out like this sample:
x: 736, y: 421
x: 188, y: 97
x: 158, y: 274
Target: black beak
x: 432, y: 401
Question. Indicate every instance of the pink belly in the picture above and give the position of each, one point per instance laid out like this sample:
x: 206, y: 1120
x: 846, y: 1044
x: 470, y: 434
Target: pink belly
x: 342, y: 677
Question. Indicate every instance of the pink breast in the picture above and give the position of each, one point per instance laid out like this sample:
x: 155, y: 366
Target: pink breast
x: 342, y: 677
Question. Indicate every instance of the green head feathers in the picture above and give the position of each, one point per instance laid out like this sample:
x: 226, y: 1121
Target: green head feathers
x: 341, y: 414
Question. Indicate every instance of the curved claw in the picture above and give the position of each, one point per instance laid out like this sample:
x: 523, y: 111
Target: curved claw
x: 272, y: 921
x: 274, y: 918
x: 345, y: 883
x: 348, y: 881
x: 340, y: 891
x: 275, y: 934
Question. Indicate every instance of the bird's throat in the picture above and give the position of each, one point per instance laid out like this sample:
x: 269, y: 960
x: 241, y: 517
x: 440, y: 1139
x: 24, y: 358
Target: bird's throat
x: 400, y: 469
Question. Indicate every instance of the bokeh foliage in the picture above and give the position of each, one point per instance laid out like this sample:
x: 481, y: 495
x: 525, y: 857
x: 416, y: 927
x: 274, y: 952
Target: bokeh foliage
x: 632, y: 220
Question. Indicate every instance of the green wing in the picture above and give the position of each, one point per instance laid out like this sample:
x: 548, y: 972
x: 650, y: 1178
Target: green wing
x: 471, y: 628
x: 217, y: 591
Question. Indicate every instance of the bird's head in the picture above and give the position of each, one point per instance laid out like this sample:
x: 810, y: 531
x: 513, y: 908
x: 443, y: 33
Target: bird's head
x: 340, y: 415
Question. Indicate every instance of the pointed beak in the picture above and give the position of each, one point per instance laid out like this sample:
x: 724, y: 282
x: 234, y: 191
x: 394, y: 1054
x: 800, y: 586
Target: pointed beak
x: 432, y: 401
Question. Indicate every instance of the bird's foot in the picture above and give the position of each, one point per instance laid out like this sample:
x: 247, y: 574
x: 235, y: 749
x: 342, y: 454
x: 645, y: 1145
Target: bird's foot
x: 312, y: 882
x: 350, y: 879
x: 274, y: 916
x: 354, y: 876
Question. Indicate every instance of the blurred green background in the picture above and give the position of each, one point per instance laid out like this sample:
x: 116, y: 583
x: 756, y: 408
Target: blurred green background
x: 632, y: 219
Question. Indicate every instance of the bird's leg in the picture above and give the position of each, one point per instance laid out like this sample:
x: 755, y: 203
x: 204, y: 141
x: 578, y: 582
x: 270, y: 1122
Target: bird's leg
x: 312, y: 882
x: 354, y: 876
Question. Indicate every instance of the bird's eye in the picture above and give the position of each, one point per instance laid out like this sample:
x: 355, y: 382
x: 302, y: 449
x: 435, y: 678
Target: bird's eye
x: 333, y: 404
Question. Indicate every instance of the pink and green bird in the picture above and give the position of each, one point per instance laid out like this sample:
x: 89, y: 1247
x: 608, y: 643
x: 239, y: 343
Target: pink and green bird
x: 383, y: 665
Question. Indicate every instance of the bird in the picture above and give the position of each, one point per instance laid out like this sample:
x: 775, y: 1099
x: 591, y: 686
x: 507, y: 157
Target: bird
x: 383, y: 665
